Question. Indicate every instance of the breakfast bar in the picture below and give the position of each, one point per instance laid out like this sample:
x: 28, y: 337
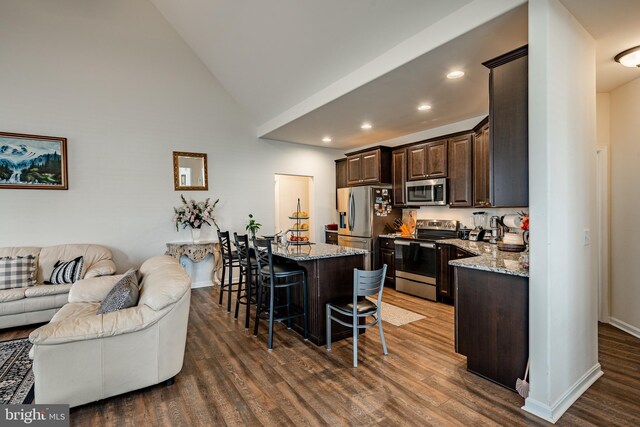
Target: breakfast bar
x: 329, y: 277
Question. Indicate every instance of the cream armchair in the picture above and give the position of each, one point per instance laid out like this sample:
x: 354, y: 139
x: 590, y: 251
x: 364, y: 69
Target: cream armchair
x: 81, y: 356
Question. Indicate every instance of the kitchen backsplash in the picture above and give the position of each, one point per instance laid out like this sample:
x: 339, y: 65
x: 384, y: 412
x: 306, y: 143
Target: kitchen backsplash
x: 463, y: 215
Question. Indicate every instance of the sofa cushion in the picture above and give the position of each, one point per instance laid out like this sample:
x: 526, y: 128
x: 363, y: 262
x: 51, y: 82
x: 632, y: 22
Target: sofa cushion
x: 91, y: 255
x: 124, y: 294
x: 75, y: 311
x: 67, y: 272
x: 13, y: 252
x: 12, y: 294
x: 165, y: 280
x: 43, y: 290
x: 17, y: 272
x: 94, y: 289
x: 25, y: 305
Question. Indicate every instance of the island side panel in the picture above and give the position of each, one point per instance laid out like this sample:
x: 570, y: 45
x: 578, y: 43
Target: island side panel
x: 492, y: 323
x: 328, y: 279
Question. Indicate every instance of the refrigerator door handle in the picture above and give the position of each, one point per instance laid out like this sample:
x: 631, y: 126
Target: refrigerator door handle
x: 353, y: 211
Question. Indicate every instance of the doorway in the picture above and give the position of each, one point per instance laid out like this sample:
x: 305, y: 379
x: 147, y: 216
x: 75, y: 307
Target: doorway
x: 288, y: 189
x: 602, y: 218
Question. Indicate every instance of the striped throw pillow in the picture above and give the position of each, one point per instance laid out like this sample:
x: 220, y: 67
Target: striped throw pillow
x: 66, y: 272
x: 17, y: 272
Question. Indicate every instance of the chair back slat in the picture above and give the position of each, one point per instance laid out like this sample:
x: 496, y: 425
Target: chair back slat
x: 263, y: 253
x: 225, y: 244
x: 242, y: 246
x: 368, y: 282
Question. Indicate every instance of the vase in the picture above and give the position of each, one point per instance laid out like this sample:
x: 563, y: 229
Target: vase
x: 195, y: 235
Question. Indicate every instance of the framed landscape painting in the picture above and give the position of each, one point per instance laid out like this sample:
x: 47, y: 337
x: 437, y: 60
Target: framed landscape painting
x: 33, y: 162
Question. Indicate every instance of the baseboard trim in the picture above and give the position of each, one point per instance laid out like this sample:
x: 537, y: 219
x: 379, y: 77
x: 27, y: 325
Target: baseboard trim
x: 554, y: 412
x: 201, y: 285
x: 623, y: 326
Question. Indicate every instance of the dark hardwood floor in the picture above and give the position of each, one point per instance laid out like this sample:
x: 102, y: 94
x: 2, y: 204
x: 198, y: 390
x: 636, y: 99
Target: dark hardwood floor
x: 230, y: 378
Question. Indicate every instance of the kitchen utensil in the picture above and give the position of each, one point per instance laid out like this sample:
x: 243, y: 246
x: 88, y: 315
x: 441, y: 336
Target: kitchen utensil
x: 463, y: 233
x: 522, y: 386
x: 397, y: 223
x: 479, y: 221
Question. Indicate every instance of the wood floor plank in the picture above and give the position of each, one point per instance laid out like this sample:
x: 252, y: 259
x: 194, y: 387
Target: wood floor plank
x: 230, y: 378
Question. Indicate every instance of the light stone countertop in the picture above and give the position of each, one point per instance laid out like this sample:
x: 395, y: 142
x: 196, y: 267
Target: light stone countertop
x: 488, y: 258
x: 314, y: 251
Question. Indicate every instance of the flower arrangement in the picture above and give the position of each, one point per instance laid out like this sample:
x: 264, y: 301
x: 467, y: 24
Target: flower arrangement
x: 524, y: 222
x: 194, y: 214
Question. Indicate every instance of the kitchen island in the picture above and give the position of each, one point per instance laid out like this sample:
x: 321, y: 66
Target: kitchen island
x: 491, y: 312
x: 329, y: 277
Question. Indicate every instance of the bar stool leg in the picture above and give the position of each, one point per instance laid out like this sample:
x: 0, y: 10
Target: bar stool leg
x: 305, y: 304
x: 271, y: 315
x: 258, y: 308
x: 355, y: 342
x: 249, y: 291
x: 288, y: 307
x: 224, y: 272
x: 230, y: 288
x: 328, y: 326
x: 238, y: 296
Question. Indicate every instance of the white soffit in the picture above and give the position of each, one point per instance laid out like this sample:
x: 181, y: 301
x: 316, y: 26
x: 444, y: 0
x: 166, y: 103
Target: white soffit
x: 390, y: 102
x: 615, y: 28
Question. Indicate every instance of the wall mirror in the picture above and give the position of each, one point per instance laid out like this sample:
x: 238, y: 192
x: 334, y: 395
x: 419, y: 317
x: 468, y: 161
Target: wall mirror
x: 190, y: 171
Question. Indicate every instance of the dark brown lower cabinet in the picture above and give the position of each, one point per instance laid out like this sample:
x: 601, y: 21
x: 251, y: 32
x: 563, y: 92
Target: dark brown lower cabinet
x: 444, y: 272
x: 387, y: 256
x: 492, y: 324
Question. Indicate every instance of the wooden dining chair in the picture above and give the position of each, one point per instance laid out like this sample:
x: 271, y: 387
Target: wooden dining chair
x: 365, y: 283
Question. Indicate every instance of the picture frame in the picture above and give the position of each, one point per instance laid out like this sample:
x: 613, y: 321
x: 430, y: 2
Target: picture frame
x: 33, y: 162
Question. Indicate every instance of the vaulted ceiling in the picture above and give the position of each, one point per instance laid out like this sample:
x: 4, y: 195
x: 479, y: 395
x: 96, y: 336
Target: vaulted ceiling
x: 304, y: 69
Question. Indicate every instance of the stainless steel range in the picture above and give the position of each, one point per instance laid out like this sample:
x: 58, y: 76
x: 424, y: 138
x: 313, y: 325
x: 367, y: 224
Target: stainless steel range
x: 416, y: 257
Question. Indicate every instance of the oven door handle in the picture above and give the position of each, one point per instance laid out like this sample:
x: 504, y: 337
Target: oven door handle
x: 422, y: 245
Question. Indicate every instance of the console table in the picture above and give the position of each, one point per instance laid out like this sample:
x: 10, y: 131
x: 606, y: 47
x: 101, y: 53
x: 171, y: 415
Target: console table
x: 197, y: 252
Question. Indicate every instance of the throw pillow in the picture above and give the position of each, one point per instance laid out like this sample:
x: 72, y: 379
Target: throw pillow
x: 66, y: 272
x: 124, y: 294
x: 17, y: 272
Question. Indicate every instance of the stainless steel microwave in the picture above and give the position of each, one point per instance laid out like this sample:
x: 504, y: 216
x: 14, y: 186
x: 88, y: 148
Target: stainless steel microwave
x: 428, y: 192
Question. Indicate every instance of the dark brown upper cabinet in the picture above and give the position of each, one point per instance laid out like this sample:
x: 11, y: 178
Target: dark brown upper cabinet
x: 481, y: 158
x: 509, y: 129
x: 399, y: 177
x: 460, y: 171
x: 341, y: 173
x: 427, y: 160
x: 369, y: 167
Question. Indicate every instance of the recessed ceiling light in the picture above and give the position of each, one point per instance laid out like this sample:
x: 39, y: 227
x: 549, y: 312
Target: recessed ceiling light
x: 366, y: 125
x: 455, y: 74
x: 630, y: 57
x: 326, y: 139
x: 424, y: 107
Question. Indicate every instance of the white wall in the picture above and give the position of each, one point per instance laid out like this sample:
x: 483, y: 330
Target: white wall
x: 289, y: 189
x: 625, y: 205
x: 117, y: 81
x: 563, y: 317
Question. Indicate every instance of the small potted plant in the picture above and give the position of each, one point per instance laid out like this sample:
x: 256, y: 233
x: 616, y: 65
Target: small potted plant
x: 252, y: 226
x: 194, y: 215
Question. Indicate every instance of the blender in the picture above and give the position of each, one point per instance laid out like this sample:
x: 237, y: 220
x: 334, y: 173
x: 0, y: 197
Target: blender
x: 479, y: 221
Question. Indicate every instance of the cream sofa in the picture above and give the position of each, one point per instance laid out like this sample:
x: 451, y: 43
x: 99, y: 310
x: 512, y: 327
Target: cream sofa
x: 37, y: 304
x: 81, y: 356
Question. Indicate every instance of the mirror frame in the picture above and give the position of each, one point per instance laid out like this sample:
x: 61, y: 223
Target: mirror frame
x: 176, y: 171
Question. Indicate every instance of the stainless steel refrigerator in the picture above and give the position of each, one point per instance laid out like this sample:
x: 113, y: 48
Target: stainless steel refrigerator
x: 365, y: 213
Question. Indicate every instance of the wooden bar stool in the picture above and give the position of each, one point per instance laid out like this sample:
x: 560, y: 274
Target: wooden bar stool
x: 229, y: 260
x: 365, y: 283
x: 249, y: 272
x: 274, y: 277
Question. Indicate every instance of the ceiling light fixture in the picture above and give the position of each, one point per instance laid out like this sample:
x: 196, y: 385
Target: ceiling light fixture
x: 455, y: 74
x: 630, y: 57
x: 424, y: 107
x: 366, y: 126
x: 326, y: 139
